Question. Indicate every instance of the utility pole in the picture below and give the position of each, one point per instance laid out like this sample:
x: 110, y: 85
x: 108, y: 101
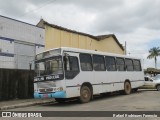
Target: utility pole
x: 125, y: 48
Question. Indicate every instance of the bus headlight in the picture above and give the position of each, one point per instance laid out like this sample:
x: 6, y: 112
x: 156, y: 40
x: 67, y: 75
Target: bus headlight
x: 61, y: 88
x: 58, y: 89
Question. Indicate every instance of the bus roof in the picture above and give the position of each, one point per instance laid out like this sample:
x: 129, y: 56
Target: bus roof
x: 78, y: 50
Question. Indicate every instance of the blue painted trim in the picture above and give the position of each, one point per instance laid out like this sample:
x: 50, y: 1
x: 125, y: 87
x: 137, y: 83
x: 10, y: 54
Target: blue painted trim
x: 7, y: 39
x: 12, y: 40
x: 58, y: 94
x: 39, y: 45
x: 6, y: 54
x: 20, y: 21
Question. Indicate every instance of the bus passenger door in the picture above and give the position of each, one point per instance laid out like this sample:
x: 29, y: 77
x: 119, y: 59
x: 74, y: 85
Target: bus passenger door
x: 71, y: 69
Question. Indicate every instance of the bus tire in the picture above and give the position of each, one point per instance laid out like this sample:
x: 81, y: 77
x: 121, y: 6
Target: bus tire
x: 127, y: 88
x: 158, y: 87
x: 60, y: 100
x: 85, y: 94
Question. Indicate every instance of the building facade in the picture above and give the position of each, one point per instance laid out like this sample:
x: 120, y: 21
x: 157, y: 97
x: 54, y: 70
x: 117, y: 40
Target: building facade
x: 19, y: 42
x: 57, y: 36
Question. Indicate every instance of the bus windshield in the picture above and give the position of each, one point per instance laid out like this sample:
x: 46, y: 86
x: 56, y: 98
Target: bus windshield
x: 48, y: 66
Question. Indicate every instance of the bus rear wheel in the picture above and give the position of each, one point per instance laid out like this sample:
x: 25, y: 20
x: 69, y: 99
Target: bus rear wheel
x: 85, y: 94
x: 158, y: 87
x: 127, y: 88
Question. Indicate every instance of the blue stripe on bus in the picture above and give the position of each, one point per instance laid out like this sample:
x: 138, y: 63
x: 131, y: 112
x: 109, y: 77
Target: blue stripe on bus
x: 58, y: 94
x: 6, y: 54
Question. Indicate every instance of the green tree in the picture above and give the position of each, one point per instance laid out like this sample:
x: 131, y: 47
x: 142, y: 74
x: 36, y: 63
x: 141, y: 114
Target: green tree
x: 154, y: 53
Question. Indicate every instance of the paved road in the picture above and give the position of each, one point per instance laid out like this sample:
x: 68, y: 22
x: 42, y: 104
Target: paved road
x: 142, y: 100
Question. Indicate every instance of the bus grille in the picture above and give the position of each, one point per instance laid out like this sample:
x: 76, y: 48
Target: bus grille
x: 48, y: 84
x: 42, y: 90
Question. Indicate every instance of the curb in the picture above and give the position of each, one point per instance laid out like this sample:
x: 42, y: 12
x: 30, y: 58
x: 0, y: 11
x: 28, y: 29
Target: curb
x: 26, y: 104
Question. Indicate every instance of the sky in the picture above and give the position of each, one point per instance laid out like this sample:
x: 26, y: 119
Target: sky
x: 135, y: 21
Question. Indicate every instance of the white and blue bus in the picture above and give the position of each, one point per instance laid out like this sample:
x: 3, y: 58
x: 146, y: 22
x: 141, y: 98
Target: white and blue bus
x: 63, y: 73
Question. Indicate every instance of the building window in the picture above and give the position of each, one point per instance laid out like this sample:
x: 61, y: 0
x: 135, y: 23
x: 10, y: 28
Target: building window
x: 110, y: 63
x: 98, y: 63
x: 86, y: 62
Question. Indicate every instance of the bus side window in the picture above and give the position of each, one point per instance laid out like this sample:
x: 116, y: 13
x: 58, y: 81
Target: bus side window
x: 110, y: 63
x: 98, y: 63
x: 120, y: 64
x: 129, y: 64
x: 86, y: 62
x: 71, y: 67
x: 137, y: 65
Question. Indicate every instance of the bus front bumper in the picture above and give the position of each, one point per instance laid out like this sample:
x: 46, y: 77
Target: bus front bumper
x: 58, y: 94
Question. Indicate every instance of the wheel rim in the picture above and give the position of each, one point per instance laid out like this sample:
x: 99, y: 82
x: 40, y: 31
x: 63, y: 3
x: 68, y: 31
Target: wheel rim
x: 127, y: 88
x: 85, y: 94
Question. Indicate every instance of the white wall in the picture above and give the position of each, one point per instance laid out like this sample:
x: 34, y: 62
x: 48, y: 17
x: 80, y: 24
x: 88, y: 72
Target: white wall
x: 12, y: 30
x: 21, y: 31
x: 7, y: 48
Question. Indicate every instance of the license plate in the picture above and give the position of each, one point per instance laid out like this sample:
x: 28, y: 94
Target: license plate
x: 45, y: 95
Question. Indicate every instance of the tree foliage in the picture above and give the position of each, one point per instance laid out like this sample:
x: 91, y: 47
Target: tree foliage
x: 154, y: 53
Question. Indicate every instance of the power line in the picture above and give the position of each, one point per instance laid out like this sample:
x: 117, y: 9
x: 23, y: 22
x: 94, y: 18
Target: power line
x: 43, y: 5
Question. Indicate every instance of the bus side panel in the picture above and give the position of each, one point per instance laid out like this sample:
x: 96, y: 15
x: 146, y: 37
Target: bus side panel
x: 73, y: 85
x: 103, y: 81
x: 72, y: 91
x: 114, y: 81
x: 138, y: 79
x: 97, y: 80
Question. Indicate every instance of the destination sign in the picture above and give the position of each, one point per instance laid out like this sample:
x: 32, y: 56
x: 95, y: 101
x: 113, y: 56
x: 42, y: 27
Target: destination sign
x: 50, y: 77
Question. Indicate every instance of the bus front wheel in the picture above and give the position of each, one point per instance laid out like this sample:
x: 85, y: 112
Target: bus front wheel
x: 127, y: 88
x: 85, y: 94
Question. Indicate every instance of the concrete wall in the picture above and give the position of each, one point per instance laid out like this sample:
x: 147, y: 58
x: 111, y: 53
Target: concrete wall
x: 18, y: 30
x: 7, y: 54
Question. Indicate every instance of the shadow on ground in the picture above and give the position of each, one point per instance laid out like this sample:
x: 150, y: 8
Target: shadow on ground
x: 73, y: 102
